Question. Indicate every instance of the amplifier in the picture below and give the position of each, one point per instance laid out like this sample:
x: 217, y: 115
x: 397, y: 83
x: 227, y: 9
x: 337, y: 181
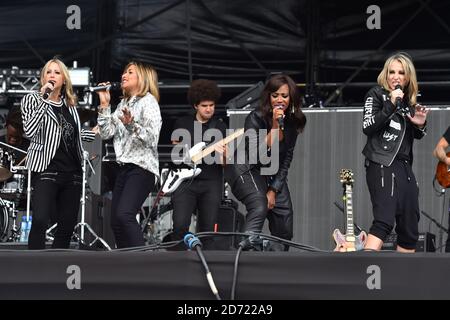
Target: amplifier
x: 229, y: 220
x: 426, y: 242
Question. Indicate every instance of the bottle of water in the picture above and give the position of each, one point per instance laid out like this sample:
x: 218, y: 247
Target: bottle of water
x: 23, y: 229
x: 27, y: 233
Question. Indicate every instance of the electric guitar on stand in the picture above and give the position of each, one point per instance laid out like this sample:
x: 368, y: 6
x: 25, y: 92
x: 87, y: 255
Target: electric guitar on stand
x: 443, y: 173
x: 193, y: 157
x: 348, y: 242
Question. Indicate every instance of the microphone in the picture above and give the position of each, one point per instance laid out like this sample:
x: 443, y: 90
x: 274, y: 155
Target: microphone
x: 280, y: 119
x: 47, y: 91
x: 111, y: 86
x: 398, y: 100
x: 405, y: 109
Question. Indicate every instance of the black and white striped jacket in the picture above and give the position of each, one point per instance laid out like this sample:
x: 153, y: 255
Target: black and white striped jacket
x: 42, y: 128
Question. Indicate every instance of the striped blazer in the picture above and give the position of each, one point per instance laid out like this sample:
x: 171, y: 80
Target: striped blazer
x: 41, y: 126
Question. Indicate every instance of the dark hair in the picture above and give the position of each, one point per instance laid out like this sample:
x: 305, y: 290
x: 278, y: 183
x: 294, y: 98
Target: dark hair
x: 203, y: 90
x: 294, y: 112
x: 14, y: 118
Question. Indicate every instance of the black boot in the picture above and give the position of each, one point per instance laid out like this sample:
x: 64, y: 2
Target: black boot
x: 252, y: 243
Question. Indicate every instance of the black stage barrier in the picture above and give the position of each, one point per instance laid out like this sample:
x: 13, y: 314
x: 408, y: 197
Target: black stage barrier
x: 261, y: 275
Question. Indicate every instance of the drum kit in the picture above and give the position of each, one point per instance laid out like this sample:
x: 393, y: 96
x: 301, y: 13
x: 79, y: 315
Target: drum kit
x: 14, y: 191
x: 15, y: 197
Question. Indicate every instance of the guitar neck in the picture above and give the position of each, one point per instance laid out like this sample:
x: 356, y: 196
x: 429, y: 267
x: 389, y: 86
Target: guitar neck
x: 349, y: 210
x: 210, y: 149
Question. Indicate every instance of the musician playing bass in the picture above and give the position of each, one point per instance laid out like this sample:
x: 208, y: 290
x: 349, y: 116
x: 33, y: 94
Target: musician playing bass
x: 204, y: 192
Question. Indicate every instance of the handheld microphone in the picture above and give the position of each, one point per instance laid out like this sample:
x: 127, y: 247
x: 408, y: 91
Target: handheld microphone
x: 280, y: 119
x: 47, y: 91
x: 398, y: 100
x: 405, y: 109
x: 111, y: 86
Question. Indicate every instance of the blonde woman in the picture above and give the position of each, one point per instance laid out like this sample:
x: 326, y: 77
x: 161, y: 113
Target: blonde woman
x: 55, y: 154
x: 135, y: 126
x: 392, y: 120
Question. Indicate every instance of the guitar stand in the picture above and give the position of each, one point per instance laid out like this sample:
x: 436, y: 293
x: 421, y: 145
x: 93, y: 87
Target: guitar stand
x: 82, y: 224
x: 148, y: 224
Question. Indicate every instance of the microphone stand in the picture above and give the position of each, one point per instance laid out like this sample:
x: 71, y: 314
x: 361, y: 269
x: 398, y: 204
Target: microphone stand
x: 82, y: 224
x: 441, y: 228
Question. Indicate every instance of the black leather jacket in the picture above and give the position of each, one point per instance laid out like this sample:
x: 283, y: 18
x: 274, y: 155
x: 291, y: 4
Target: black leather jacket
x: 385, y: 127
x: 242, y: 165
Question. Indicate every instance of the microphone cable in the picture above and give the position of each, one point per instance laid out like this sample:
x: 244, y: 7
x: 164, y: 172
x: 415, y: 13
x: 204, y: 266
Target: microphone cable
x: 235, y: 271
x: 191, y: 242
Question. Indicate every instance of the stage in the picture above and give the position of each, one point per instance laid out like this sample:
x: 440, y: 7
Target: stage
x: 169, y: 275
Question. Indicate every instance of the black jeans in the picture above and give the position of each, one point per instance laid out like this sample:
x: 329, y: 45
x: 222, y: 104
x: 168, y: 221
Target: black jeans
x: 56, y: 198
x: 133, y: 185
x: 251, y: 189
x: 204, y: 195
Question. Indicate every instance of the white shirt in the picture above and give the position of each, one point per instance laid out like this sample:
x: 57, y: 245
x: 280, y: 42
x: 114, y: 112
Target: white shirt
x: 137, y: 142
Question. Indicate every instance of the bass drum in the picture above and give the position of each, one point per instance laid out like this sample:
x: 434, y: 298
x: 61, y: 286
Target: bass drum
x: 4, y: 222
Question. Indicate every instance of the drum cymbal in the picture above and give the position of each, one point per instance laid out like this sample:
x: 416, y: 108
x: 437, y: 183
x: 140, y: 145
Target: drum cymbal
x: 5, y: 174
x: 86, y: 114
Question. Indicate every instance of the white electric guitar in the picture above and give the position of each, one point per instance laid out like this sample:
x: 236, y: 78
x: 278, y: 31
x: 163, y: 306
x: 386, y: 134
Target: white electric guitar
x: 194, y: 156
x: 176, y: 176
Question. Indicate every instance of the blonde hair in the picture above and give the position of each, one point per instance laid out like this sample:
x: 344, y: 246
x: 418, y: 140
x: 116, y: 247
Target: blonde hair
x: 411, y: 89
x: 66, y: 89
x: 147, y: 80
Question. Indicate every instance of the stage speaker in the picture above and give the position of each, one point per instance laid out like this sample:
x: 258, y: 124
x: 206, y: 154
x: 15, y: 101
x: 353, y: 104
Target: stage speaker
x: 229, y: 220
x: 98, y: 216
x: 426, y: 242
x: 247, y: 99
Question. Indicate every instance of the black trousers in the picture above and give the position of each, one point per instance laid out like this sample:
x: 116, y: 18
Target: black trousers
x: 133, y: 185
x: 56, y: 198
x: 395, y: 200
x: 204, y: 195
x: 251, y: 189
x: 447, y: 244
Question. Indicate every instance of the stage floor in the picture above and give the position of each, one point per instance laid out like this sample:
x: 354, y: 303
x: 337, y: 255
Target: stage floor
x: 77, y: 274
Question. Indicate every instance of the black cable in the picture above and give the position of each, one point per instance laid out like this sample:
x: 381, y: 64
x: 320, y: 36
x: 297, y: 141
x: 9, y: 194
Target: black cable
x: 235, y: 273
x: 264, y: 236
x: 193, y: 241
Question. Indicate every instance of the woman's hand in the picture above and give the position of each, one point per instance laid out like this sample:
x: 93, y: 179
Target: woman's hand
x: 95, y: 129
x: 420, y: 115
x: 271, y: 195
x: 104, y: 95
x: 398, y: 93
x: 277, y: 113
x: 127, y: 118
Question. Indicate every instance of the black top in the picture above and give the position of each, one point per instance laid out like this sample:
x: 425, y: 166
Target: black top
x: 447, y: 135
x: 66, y: 158
x: 390, y: 134
x: 405, y: 151
x: 209, y: 171
x: 256, y: 123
